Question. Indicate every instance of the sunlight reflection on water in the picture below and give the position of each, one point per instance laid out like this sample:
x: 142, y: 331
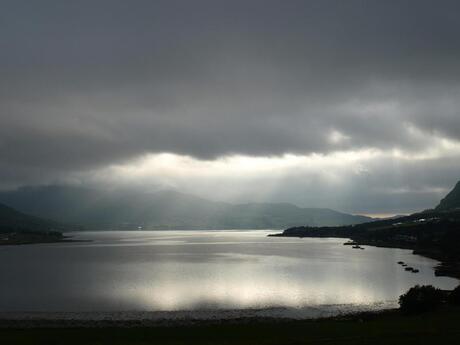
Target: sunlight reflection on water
x: 189, y: 270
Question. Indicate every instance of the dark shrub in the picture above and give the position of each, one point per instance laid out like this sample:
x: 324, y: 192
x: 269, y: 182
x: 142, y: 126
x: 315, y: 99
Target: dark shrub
x: 420, y: 299
x: 454, y: 296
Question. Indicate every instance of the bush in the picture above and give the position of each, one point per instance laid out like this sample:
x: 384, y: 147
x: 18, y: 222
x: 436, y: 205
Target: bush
x: 454, y: 296
x: 420, y: 299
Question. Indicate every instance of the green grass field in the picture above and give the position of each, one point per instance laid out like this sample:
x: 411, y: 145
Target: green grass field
x: 441, y: 327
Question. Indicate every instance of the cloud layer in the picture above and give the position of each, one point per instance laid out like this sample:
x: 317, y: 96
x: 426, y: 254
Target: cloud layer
x: 94, y: 85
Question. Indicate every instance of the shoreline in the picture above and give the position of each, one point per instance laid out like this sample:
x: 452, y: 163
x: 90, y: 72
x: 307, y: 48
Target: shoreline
x: 445, y: 267
x: 24, y: 243
x: 28, y: 238
x: 187, y: 317
x: 183, y: 322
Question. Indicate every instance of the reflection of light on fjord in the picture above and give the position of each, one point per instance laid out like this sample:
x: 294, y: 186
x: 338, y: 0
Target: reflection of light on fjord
x: 239, y: 286
x: 232, y: 276
x: 179, y: 270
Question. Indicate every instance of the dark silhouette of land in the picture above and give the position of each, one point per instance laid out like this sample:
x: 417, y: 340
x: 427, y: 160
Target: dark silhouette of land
x: 388, y: 327
x: 19, y: 228
x: 452, y: 200
x: 12, y: 220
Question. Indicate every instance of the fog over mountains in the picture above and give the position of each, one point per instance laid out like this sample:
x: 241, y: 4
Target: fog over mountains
x: 79, y: 208
x: 119, y: 209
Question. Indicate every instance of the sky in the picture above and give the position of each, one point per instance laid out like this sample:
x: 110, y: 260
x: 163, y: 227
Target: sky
x: 352, y: 105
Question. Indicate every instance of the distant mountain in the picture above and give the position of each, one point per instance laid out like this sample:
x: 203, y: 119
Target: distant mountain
x: 14, y: 221
x: 96, y: 209
x: 451, y: 201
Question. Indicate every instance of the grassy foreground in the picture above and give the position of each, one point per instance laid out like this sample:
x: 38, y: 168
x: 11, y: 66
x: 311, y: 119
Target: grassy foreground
x: 440, y: 327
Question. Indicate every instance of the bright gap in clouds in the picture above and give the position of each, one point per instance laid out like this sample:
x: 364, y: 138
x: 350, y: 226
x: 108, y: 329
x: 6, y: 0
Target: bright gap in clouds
x: 172, y: 169
x: 366, y: 181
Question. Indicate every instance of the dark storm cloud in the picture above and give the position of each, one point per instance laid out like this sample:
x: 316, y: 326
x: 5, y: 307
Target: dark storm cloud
x: 89, y: 83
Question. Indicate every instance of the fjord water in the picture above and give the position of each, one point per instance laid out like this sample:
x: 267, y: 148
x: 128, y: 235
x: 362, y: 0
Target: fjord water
x: 203, y: 270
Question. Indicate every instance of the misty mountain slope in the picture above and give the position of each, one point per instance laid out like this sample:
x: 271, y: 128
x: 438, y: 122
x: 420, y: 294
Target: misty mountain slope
x: 14, y: 221
x: 95, y: 209
x: 451, y: 200
x: 281, y: 214
x: 112, y: 209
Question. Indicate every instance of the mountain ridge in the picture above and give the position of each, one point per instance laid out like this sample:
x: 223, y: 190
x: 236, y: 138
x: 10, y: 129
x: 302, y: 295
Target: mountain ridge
x: 12, y: 220
x: 451, y: 200
x: 118, y: 209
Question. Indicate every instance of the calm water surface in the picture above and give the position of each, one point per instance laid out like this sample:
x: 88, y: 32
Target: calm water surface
x: 205, y: 270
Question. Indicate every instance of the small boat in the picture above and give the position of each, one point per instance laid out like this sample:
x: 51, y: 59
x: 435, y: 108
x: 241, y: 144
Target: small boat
x: 350, y: 243
x: 404, y: 265
x: 400, y: 262
x: 414, y: 270
x: 356, y: 247
x: 408, y: 269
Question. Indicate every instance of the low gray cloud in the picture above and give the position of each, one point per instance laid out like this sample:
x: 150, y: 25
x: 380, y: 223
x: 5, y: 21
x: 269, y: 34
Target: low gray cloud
x: 90, y: 84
